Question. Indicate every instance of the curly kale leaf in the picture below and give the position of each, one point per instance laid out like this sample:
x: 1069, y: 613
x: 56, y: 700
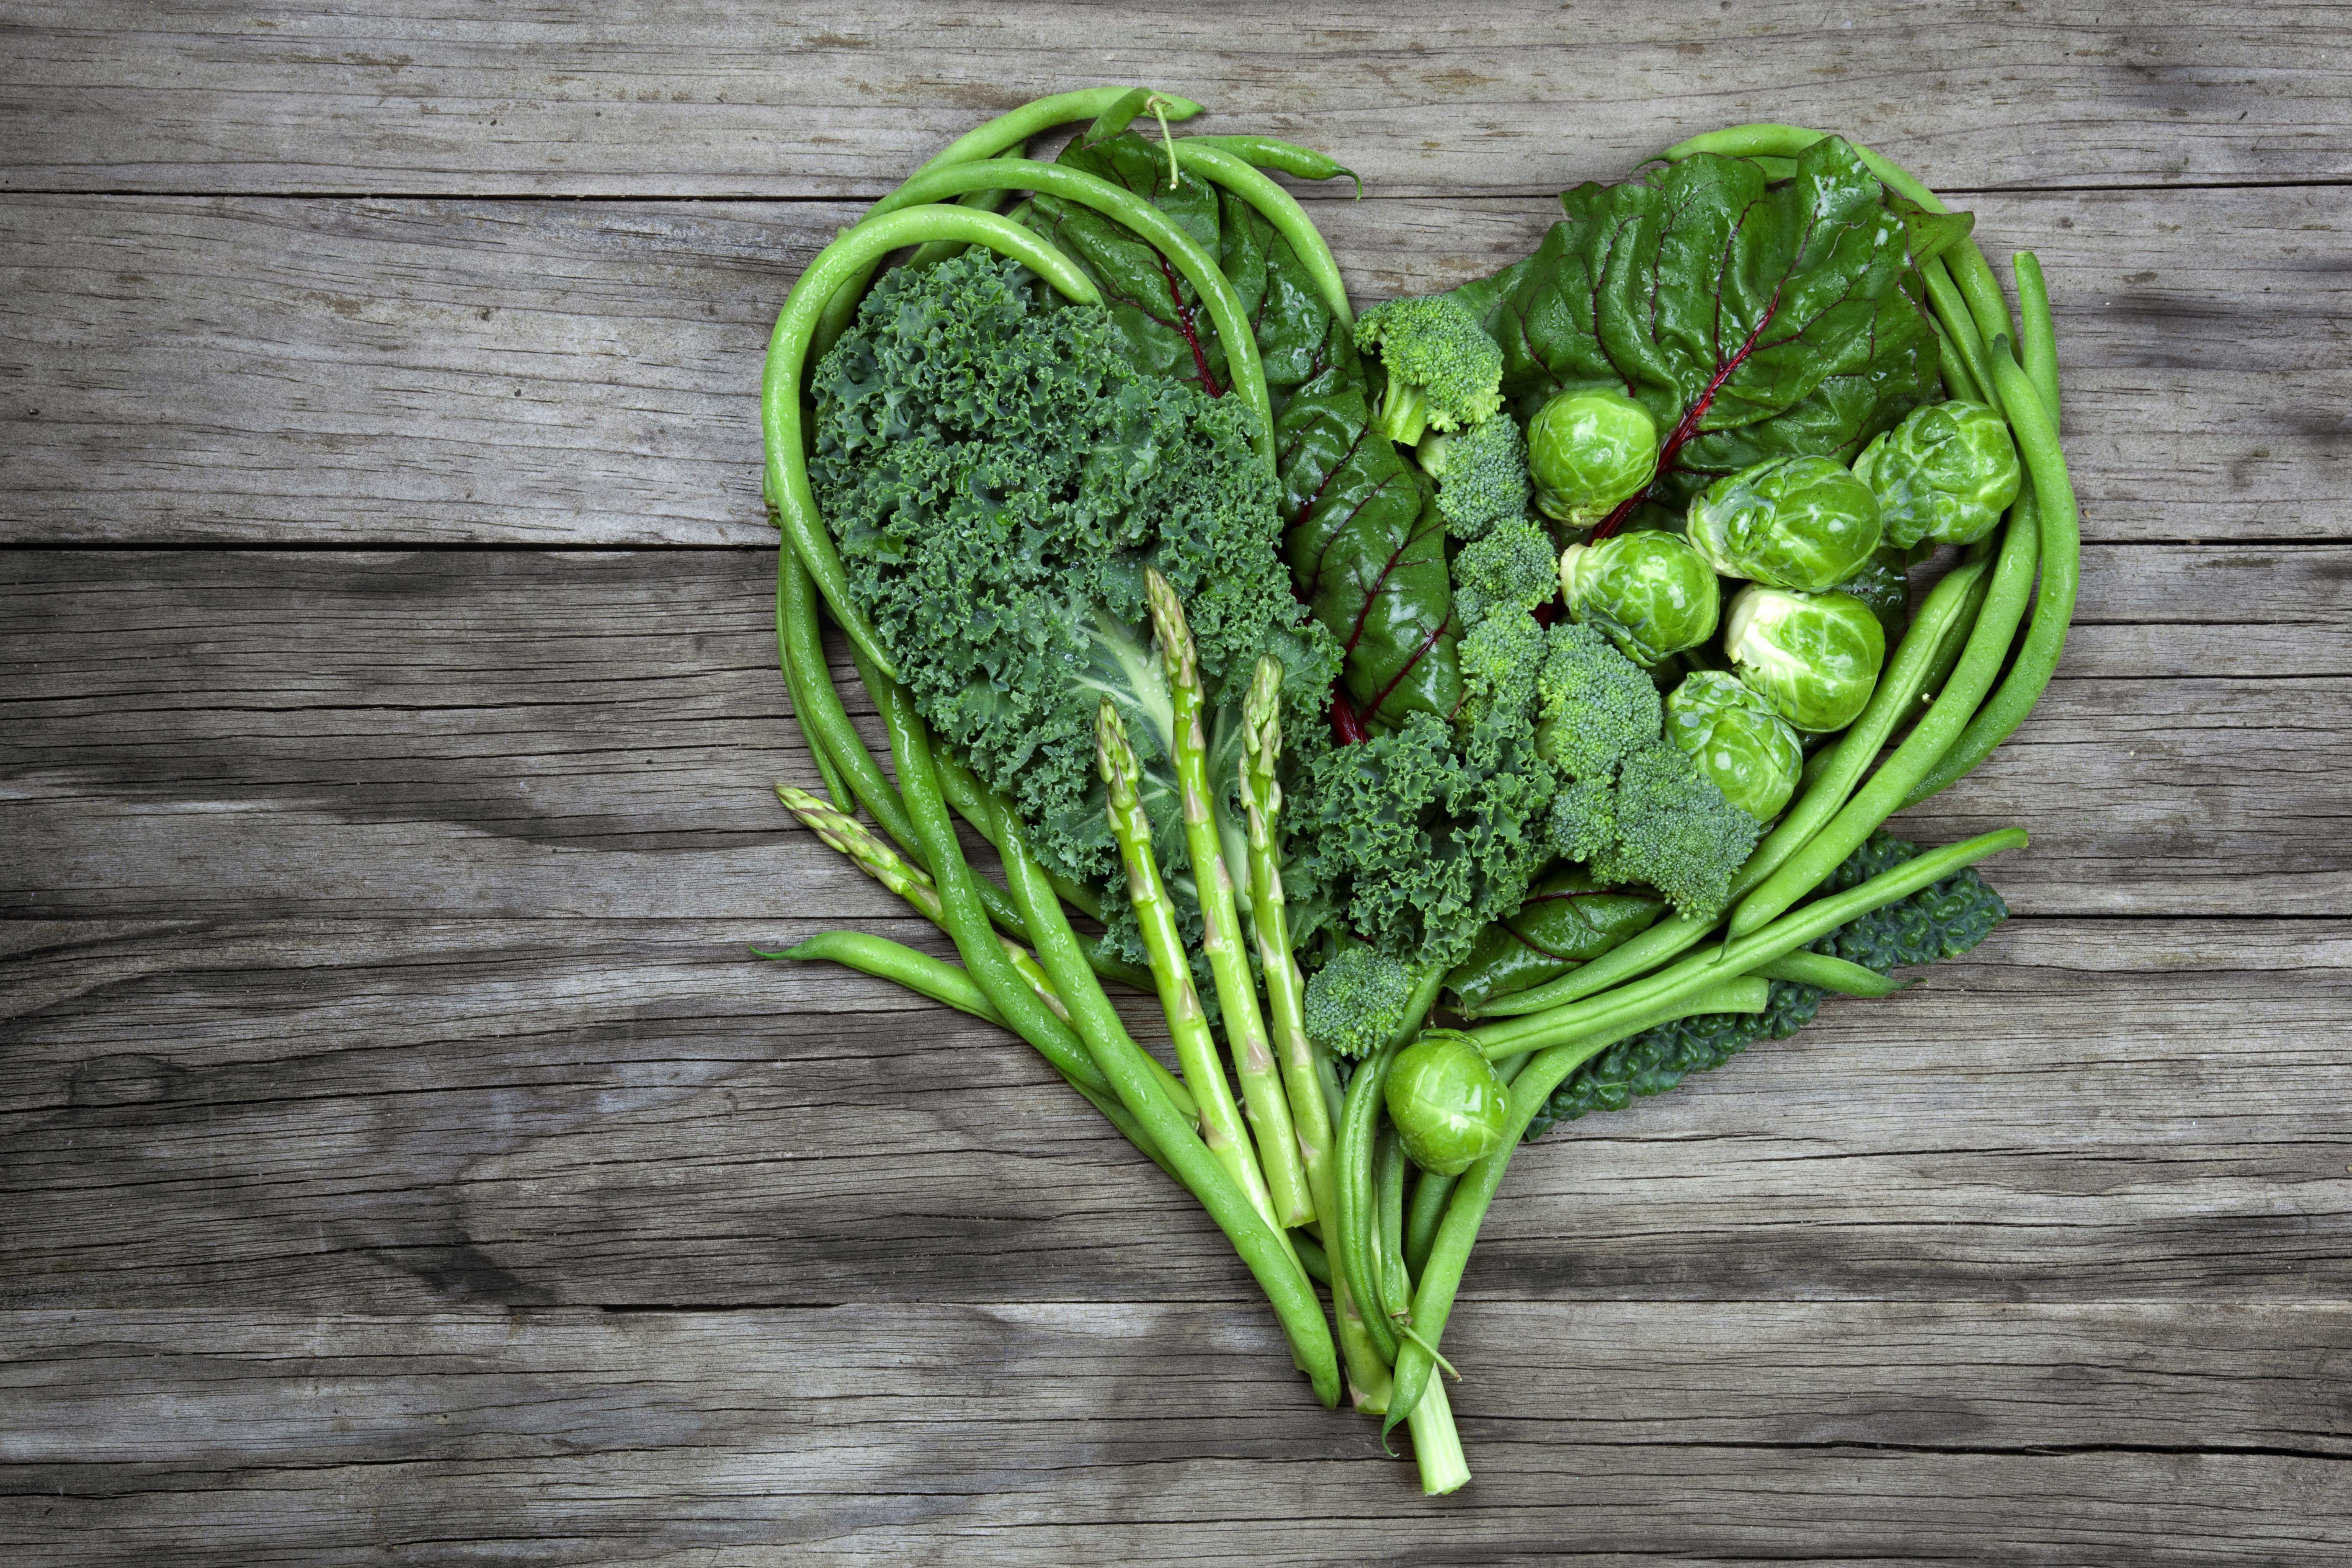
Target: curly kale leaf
x: 999, y: 474
x: 1944, y: 921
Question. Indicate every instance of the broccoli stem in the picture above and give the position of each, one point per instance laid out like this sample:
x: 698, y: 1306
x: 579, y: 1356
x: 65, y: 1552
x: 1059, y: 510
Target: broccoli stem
x: 1155, y: 917
x: 1137, y: 1079
x: 1221, y: 926
x: 1436, y: 1445
x: 1432, y: 1301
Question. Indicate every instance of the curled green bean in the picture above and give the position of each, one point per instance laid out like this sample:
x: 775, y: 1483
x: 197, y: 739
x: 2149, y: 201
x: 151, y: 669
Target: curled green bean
x: 1278, y: 207
x: 780, y: 382
x: 1007, y: 132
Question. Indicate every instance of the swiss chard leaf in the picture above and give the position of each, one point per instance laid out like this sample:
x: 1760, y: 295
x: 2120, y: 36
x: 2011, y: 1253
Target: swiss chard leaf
x: 1753, y: 318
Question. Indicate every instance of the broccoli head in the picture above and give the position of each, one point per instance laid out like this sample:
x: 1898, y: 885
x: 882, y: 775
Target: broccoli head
x: 1512, y: 567
x: 1356, y: 1002
x: 1443, y: 371
x: 1676, y: 831
x: 1597, y: 705
x: 1481, y: 474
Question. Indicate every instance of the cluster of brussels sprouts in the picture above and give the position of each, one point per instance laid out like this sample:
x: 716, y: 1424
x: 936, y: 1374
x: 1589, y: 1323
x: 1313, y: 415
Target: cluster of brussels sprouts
x: 1821, y: 551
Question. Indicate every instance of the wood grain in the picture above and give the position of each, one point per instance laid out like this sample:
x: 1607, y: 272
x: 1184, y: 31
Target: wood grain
x: 397, y: 1116
x: 374, y: 371
x: 2093, y: 1435
x: 523, y: 733
x: 703, y: 98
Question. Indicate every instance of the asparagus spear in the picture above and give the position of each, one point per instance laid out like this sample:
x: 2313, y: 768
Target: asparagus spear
x: 1221, y: 930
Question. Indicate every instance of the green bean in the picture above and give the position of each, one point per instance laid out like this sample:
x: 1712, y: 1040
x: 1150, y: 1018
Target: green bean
x: 967, y: 918
x: 1958, y: 382
x: 1287, y: 157
x: 887, y: 959
x: 1959, y: 327
x: 796, y: 684
x: 1136, y: 1078
x: 1313, y: 1259
x: 931, y: 253
x: 1358, y: 1251
x: 1930, y: 738
x: 1281, y: 209
x: 983, y: 808
x: 1790, y: 932
x: 1388, y: 1204
x: 2038, y: 338
x: 2061, y: 551
x: 823, y: 719
x: 1244, y: 368
x: 1948, y: 658
x: 1827, y: 973
x: 1007, y: 132
x: 780, y: 382
x: 1432, y: 1301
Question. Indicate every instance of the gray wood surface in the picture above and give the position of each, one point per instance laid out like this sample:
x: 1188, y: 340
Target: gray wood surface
x: 403, y: 1160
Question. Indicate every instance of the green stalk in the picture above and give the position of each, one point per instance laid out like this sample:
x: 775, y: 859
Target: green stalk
x: 1138, y: 1081
x: 1221, y: 925
x: 1436, y: 1445
x: 1433, y: 1301
x: 1155, y: 916
x: 1305, y: 1068
x: 788, y: 351
x: 845, y: 834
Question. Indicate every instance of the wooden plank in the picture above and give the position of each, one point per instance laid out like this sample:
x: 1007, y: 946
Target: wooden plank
x: 467, y: 371
x: 702, y: 98
x: 524, y: 734
x: 2098, y: 1434
x: 397, y: 1116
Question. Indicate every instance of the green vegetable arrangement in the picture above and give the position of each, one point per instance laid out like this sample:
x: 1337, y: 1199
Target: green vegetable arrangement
x: 1529, y: 654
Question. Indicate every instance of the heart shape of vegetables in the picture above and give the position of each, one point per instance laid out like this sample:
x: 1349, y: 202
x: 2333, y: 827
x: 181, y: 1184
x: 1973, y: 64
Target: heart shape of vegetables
x: 1286, y: 644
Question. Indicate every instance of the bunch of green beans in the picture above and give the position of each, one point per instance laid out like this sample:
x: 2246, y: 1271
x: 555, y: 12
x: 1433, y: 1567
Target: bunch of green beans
x: 1311, y: 1186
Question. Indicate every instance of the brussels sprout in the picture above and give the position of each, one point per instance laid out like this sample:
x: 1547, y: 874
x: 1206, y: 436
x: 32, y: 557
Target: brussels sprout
x: 1813, y: 657
x: 1750, y: 751
x: 1652, y: 594
x: 1794, y: 523
x: 1450, y: 1106
x: 1943, y: 476
x: 1589, y: 450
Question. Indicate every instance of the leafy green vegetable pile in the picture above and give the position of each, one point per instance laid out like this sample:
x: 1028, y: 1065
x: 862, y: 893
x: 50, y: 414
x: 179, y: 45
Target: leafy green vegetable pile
x: 1530, y: 652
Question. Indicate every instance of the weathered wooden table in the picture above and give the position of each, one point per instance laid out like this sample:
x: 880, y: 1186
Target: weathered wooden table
x: 406, y: 1164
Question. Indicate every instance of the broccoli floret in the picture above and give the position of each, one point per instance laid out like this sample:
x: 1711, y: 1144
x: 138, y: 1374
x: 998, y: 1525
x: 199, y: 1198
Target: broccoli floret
x: 1676, y: 831
x: 1499, y: 659
x: 1514, y: 566
x: 1597, y: 705
x: 1584, y: 817
x: 1356, y: 1003
x: 1443, y: 371
x: 1481, y: 474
